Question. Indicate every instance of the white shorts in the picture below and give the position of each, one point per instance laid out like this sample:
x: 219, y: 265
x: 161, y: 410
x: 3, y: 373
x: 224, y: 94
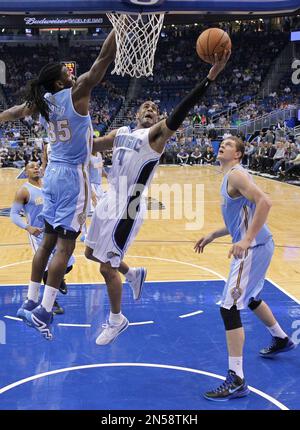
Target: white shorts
x: 110, y: 233
x: 35, y: 242
x: 98, y: 190
x: 247, y: 276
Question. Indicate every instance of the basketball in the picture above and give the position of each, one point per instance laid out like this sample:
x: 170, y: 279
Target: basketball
x: 210, y: 42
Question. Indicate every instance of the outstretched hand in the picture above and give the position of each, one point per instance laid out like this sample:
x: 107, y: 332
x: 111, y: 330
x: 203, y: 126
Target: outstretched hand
x: 218, y: 65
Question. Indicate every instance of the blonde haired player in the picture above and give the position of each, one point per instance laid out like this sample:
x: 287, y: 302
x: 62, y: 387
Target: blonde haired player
x: 245, y: 210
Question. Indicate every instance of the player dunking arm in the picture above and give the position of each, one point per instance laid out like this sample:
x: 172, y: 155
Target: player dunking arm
x: 245, y: 210
x: 64, y: 105
x: 119, y: 214
x: 29, y: 200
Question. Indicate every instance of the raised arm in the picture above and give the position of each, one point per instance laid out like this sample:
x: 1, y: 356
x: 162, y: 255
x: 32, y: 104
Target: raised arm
x: 162, y: 131
x: 87, y: 81
x: 16, y: 112
x: 103, y: 143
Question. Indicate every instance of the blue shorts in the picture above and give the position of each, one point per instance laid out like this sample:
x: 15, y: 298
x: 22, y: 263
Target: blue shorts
x: 247, y: 276
x: 66, y: 194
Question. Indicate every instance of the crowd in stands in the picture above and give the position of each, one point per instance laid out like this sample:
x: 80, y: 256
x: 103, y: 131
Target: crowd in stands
x: 274, y: 151
x: 177, y: 69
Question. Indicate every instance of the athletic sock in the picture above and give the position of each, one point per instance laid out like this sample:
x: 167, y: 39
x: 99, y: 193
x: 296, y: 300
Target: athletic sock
x: 115, y: 319
x: 130, y: 274
x: 49, y: 297
x: 236, y: 364
x: 33, y: 291
x: 276, y: 331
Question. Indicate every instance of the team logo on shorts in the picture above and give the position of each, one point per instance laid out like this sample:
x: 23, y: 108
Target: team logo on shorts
x: 82, y: 218
x: 236, y: 293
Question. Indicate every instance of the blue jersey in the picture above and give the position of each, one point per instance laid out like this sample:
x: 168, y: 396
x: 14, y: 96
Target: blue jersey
x: 69, y: 133
x: 238, y: 214
x: 34, y: 206
x: 96, y: 165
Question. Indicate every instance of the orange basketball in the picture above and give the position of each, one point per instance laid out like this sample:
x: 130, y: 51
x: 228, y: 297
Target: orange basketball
x: 212, y: 41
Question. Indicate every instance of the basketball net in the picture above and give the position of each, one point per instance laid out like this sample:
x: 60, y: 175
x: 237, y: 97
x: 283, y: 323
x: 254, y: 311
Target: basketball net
x: 136, y: 41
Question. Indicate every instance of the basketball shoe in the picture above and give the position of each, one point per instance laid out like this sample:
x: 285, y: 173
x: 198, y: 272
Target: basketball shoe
x: 232, y: 388
x: 41, y: 320
x: 28, y: 305
x: 137, y: 282
x: 111, y: 332
x: 278, y: 345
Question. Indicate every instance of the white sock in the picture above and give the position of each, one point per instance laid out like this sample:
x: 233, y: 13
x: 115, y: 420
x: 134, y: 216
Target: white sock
x: 236, y: 364
x: 49, y: 297
x: 33, y: 291
x: 115, y: 319
x: 130, y: 274
x: 276, y: 331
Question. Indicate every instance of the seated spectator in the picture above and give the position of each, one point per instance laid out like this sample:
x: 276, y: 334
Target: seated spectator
x: 182, y: 156
x: 196, y: 157
x: 209, y: 156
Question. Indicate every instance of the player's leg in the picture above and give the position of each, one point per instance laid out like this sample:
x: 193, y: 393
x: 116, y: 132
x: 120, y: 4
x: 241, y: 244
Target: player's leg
x: 235, y: 385
x: 280, y: 340
x: 231, y: 303
x: 43, y: 251
x: 117, y: 322
x: 41, y: 317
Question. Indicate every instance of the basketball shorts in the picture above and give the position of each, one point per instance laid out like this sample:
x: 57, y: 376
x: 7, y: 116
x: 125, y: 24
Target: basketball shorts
x: 98, y: 190
x: 247, y: 276
x: 35, y: 242
x: 66, y: 192
x: 111, y: 232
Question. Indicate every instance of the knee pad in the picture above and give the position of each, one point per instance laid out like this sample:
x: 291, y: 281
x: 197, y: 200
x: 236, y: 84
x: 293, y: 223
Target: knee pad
x: 254, y: 304
x: 231, y: 318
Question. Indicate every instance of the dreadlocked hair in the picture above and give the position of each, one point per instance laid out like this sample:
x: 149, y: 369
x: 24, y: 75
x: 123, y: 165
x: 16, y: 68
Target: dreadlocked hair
x: 42, y: 84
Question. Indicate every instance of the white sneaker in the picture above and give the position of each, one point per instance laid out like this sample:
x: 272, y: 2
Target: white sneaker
x: 111, y: 332
x: 137, y: 283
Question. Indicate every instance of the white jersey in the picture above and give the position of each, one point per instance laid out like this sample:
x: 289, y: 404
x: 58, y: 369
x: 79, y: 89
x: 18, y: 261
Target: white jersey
x: 119, y: 214
x: 133, y: 162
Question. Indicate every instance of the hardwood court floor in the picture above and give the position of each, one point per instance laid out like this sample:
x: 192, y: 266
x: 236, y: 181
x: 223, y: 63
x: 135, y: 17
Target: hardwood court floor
x: 165, y: 246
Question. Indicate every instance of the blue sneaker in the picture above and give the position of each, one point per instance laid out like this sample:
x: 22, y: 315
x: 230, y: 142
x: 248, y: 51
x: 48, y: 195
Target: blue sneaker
x: 232, y: 388
x: 277, y: 345
x: 28, y: 305
x: 40, y: 319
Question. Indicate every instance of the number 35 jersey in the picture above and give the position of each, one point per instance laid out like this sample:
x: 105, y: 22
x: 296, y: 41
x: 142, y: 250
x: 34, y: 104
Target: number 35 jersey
x: 70, y: 134
x: 133, y: 162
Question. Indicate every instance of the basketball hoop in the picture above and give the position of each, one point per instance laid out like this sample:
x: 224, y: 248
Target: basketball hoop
x: 136, y: 40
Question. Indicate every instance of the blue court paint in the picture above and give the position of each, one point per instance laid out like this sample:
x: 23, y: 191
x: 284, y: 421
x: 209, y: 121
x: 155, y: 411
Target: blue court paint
x: 183, y: 351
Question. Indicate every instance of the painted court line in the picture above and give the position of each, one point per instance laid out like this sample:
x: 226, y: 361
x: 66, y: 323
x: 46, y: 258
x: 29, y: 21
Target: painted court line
x: 142, y: 323
x: 12, y: 318
x: 191, y: 314
x: 74, y: 325
x: 151, y: 365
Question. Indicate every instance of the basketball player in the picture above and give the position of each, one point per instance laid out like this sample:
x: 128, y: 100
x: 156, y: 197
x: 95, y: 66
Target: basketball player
x: 29, y: 200
x: 245, y: 210
x: 119, y: 214
x: 64, y: 104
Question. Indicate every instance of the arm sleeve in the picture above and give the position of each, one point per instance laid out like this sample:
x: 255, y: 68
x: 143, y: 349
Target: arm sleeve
x: 15, y: 215
x: 176, y: 118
